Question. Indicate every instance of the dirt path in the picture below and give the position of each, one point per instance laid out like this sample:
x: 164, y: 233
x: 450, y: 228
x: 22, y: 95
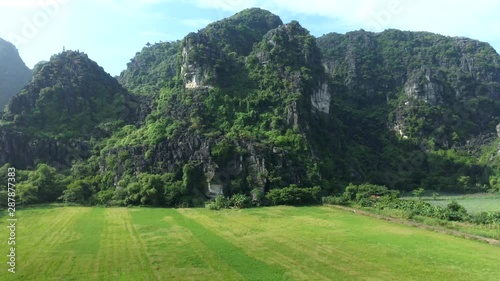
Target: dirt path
x: 420, y: 225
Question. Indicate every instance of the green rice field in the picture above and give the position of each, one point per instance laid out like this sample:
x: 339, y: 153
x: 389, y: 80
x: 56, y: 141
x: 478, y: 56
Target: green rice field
x: 474, y: 203
x: 279, y: 243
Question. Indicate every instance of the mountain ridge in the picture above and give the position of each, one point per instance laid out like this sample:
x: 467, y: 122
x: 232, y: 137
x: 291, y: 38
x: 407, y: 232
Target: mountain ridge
x: 208, y: 115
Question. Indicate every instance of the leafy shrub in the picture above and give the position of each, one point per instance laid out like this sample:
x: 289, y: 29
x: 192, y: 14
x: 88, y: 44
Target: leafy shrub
x: 486, y: 218
x: 454, y: 212
x: 220, y: 202
x: 367, y: 190
x: 211, y: 206
x: 240, y: 201
x: 78, y: 191
x: 42, y: 185
x: 185, y: 202
x: 26, y: 193
x: 174, y: 193
x: 73, y: 193
x: 119, y: 196
x: 294, y: 195
x: 257, y: 197
x: 335, y: 200
x: 367, y: 202
x: 419, y: 192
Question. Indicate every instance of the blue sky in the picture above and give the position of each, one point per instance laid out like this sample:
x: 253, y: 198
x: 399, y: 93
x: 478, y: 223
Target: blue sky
x: 112, y: 31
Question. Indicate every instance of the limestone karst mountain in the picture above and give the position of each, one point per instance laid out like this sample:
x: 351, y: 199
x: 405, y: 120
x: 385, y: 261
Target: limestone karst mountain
x: 251, y: 103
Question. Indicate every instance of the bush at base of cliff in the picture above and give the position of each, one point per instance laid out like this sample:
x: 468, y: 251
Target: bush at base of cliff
x: 367, y: 190
x: 294, y: 196
x: 220, y: 202
x: 240, y: 201
x: 335, y: 200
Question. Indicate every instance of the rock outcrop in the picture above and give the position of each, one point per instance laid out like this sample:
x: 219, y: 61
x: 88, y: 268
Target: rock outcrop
x: 321, y: 99
x: 422, y: 85
x: 199, y: 57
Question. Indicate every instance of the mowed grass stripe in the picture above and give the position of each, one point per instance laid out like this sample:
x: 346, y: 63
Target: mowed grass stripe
x: 121, y: 249
x: 392, y: 251
x: 42, y: 239
x: 250, y: 268
x: 256, y: 234
x: 82, y: 259
x: 256, y: 238
x: 398, y: 251
x: 349, y: 246
x: 175, y: 252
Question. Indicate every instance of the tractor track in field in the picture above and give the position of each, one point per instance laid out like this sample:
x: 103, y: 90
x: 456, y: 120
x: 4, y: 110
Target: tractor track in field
x: 456, y: 233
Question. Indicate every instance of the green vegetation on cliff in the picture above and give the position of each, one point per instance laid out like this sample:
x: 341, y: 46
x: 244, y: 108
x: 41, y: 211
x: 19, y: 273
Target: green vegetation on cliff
x: 249, y: 103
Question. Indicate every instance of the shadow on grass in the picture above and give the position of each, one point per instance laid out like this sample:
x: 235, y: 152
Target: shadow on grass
x: 250, y: 268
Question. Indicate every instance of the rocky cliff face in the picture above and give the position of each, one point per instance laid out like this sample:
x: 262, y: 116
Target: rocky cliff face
x: 433, y: 93
x: 22, y: 150
x: 199, y: 57
x: 424, y: 87
x: 210, y: 64
x: 14, y: 74
x: 211, y: 56
x: 321, y: 99
x: 417, y: 70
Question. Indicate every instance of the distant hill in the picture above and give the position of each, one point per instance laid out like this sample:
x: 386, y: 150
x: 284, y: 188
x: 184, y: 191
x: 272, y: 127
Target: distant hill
x: 14, y: 74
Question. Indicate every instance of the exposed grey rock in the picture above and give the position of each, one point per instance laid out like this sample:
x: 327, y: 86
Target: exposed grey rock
x: 198, y: 58
x: 21, y: 150
x: 257, y: 170
x: 321, y: 99
x: 293, y: 115
x: 425, y: 88
x: 214, y: 185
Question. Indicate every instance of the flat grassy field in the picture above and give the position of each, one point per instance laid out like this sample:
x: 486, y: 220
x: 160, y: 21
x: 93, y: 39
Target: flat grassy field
x: 280, y: 243
x: 474, y: 203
